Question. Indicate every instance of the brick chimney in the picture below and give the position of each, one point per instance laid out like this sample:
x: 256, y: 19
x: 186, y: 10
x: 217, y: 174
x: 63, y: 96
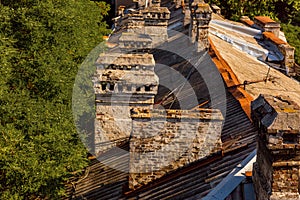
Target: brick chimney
x: 187, y: 13
x: 147, y: 3
x: 151, y: 20
x: 121, y: 10
x: 121, y: 82
x: 276, y: 171
x: 134, y: 42
x: 289, y: 60
x: 141, y: 3
x: 200, y: 17
x: 178, y: 3
x: 267, y: 24
x: 155, y: 3
x: 165, y: 140
x: 156, y: 22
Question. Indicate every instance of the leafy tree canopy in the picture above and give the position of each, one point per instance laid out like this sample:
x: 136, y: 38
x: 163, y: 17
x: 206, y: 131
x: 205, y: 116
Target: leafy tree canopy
x: 286, y: 11
x: 42, y: 44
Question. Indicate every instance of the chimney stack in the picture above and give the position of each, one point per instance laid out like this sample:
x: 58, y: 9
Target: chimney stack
x: 276, y: 171
x: 156, y: 22
x: 121, y: 10
x: 200, y: 17
x: 165, y: 140
x: 135, y: 43
x: 155, y: 3
x: 121, y: 82
x: 178, y: 3
x: 187, y: 12
x: 150, y: 19
x: 267, y: 24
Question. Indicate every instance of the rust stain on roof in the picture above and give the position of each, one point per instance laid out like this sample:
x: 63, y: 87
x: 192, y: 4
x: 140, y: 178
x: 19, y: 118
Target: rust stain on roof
x: 231, y: 80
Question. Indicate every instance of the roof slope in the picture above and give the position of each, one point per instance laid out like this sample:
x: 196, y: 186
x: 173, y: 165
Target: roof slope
x: 248, y: 68
x: 196, y: 180
x: 193, y: 181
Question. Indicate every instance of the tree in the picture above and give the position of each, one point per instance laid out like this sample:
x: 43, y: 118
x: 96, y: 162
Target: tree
x: 284, y: 10
x: 42, y: 43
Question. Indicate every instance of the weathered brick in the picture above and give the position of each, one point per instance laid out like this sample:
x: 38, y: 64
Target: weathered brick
x: 187, y: 143
x: 276, y: 171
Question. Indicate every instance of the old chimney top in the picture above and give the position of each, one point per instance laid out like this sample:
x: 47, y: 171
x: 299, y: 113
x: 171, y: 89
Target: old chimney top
x: 267, y: 24
x: 276, y: 171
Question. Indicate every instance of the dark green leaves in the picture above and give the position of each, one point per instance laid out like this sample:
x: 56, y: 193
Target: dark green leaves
x: 42, y: 44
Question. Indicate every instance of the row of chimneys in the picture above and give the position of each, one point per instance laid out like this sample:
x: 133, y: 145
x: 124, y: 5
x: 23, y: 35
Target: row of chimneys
x: 150, y: 14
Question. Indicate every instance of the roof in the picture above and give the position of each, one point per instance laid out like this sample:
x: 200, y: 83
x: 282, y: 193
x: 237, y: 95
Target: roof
x: 227, y: 62
x: 99, y: 181
x: 248, y: 68
x: 195, y: 180
x: 233, y: 180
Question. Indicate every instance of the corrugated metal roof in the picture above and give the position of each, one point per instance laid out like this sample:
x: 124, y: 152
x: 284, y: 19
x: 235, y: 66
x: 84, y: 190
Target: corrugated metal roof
x: 235, y: 178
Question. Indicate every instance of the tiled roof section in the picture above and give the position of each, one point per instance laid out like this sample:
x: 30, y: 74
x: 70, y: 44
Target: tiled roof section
x: 264, y: 19
x: 193, y: 181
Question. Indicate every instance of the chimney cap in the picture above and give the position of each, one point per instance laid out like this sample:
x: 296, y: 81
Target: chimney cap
x: 264, y: 19
x: 277, y: 113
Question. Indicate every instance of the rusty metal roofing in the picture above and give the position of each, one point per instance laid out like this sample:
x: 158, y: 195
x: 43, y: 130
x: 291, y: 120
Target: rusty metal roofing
x: 248, y: 22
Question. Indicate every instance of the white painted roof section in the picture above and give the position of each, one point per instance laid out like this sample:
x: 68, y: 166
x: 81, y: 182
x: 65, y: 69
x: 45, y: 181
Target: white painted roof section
x: 239, y: 29
x: 232, y: 180
x: 242, y: 45
x: 244, y: 39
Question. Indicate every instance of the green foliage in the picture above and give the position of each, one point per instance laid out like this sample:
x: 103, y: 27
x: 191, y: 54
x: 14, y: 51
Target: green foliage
x: 285, y: 10
x: 292, y: 34
x: 42, y: 43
